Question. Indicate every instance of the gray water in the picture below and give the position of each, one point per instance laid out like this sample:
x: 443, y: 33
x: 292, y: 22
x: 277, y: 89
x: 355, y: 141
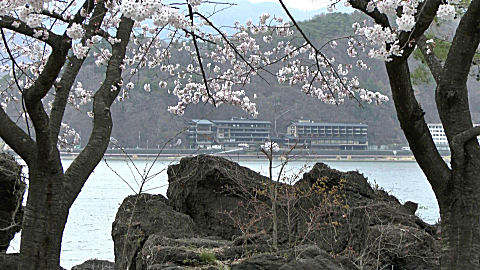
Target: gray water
x: 87, y: 233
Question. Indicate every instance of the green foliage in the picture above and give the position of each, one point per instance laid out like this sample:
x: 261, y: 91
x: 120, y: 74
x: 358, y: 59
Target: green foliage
x: 332, y: 25
x: 207, y: 257
x: 441, y: 47
x: 421, y: 75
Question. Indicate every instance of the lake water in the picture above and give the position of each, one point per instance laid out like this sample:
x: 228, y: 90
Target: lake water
x: 87, y: 233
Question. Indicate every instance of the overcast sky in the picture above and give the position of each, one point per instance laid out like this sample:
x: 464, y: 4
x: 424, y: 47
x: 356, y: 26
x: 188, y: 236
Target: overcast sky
x: 300, y: 4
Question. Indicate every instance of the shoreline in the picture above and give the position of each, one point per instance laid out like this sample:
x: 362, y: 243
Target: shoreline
x: 253, y: 157
x: 249, y: 155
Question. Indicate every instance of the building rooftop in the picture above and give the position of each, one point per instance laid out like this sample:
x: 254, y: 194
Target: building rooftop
x: 311, y: 123
x: 202, y: 122
x: 240, y: 120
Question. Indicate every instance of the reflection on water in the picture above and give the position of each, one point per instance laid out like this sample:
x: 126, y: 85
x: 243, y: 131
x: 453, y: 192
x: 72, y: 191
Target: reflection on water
x: 87, y: 234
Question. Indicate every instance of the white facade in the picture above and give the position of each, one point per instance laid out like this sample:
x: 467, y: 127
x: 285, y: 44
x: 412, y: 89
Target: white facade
x: 439, y: 137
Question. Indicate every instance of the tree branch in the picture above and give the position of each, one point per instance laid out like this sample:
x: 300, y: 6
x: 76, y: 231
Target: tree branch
x: 378, y: 17
x: 14, y: 63
x: 70, y: 73
x: 55, y: 62
x: 462, y: 138
x: 426, y: 13
x: 199, y: 58
x: 93, y: 152
x: 433, y: 63
x: 16, y: 138
x: 457, y: 146
x: 452, y: 92
x: 33, y: 102
x: 53, y: 15
x: 53, y: 39
x: 45, y: 80
x: 88, y: 6
x: 47, y: 153
x: 317, y: 53
x: 227, y: 40
x: 412, y: 121
x: 464, y: 46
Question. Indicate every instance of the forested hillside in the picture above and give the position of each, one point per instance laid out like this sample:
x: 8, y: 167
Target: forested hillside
x: 143, y: 118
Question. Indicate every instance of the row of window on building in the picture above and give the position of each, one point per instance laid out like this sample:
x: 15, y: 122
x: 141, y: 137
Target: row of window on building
x: 439, y: 137
x: 302, y: 133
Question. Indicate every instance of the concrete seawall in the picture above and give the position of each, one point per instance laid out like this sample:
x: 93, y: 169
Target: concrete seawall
x: 169, y: 154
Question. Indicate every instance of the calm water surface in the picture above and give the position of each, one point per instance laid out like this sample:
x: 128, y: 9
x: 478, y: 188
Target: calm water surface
x: 87, y: 233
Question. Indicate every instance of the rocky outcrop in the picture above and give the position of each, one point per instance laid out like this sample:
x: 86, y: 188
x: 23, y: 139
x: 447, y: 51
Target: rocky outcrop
x: 95, y: 265
x: 371, y: 225
x: 141, y: 216
x: 207, y: 188
x: 12, y: 188
x: 228, y: 211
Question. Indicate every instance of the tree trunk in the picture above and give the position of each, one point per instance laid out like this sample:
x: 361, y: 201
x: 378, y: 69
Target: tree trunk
x: 457, y: 189
x: 44, y: 221
x: 460, y: 220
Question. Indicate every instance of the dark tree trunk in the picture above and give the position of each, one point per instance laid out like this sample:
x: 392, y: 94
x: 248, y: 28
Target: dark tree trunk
x: 460, y: 222
x: 51, y: 190
x: 44, y: 221
x: 457, y: 189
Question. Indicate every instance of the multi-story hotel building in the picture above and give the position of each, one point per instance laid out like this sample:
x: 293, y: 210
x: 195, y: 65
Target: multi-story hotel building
x: 334, y: 136
x: 228, y: 133
x: 438, y: 136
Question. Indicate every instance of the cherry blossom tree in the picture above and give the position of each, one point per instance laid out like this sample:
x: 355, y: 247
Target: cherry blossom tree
x: 398, y: 28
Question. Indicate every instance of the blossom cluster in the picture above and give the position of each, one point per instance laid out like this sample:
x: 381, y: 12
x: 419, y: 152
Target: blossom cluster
x: 75, y: 31
x: 446, y: 12
x: 68, y: 137
x: 231, y: 64
x: 221, y: 62
x: 384, y: 40
x: 271, y: 147
x: 79, y: 96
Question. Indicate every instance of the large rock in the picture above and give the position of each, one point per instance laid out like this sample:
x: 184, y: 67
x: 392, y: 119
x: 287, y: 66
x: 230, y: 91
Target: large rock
x: 139, y: 217
x: 208, y: 189
x: 12, y: 188
x: 354, y: 183
x: 336, y: 213
x: 373, y: 227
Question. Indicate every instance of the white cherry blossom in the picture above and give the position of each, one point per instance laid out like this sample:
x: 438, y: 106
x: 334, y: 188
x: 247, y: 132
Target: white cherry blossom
x: 446, y: 12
